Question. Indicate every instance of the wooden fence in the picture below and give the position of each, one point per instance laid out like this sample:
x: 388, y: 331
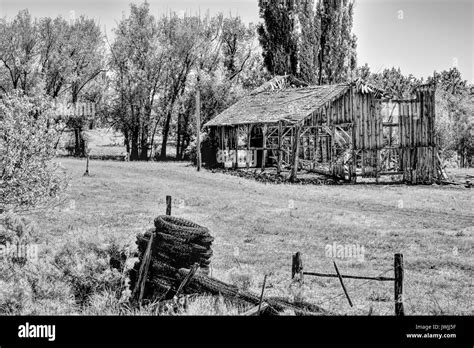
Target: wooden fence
x: 297, y: 270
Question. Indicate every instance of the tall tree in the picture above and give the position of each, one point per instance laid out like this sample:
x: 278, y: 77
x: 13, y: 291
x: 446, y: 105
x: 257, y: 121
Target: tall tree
x: 185, y: 37
x: 19, y: 52
x: 337, y: 52
x: 228, y: 64
x: 279, y: 37
x: 137, y: 63
x: 54, y: 59
x: 311, y: 40
x: 455, y: 116
x: 86, y: 56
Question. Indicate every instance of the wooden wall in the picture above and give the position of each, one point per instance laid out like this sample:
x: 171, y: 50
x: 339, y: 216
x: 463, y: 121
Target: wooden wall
x: 406, y: 135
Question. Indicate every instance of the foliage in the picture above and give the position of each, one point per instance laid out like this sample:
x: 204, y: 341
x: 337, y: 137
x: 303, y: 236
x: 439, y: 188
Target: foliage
x: 54, y: 57
x: 137, y: 64
x: 19, y: 50
x: 455, y: 115
x: 86, y: 267
x: 337, y: 54
x: 454, y: 107
x: 65, y: 278
x: 155, y: 81
x: 27, y: 146
x: 310, y: 40
x: 392, y: 81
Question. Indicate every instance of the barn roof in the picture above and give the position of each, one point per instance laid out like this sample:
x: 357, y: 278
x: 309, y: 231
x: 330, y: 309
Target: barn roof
x: 290, y: 105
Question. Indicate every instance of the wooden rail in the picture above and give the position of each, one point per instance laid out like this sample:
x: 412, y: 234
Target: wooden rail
x: 297, y: 270
x: 324, y: 275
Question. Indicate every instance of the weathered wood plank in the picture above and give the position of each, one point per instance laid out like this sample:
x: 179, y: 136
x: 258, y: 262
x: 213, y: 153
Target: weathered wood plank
x: 280, y: 145
x: 296, y: 148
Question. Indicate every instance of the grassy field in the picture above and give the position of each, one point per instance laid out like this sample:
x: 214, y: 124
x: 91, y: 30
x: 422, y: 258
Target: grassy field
x: 258, y: 227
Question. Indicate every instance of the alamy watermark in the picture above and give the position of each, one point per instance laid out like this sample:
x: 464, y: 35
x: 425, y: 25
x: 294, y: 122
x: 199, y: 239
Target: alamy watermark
x: 19, y: 250
x: 345, y: 251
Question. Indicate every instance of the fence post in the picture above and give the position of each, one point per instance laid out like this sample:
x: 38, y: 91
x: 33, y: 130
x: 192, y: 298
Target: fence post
x: 398, y: 265
x: 297, y: 266
x: 87, y: 166
x: 168, y: 205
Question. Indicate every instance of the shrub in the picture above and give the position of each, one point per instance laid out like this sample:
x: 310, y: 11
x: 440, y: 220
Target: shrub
x: 87, y: 268
x: 29, y: 285
x: 80, y: 278
x: 28, y: 176
x: 208, y: 151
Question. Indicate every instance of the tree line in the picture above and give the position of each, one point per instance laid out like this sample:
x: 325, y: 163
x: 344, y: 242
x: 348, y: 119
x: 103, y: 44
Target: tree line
x: 145, y: 78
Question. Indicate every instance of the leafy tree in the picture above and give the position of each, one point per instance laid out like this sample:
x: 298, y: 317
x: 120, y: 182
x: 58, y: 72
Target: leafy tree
x: 19, y: 51
x: 86, y: 61
x: 185, y: 40
x: 137, y: 65
x: 50, y: 56
x: 28, y: 176
x: 54, y: 62
x: 279, y: 36
x: 224, y: 73
x: 393, y: 82
x: 337, y: 53
x: 311, y: 40
x: 238, y: 44
x: 455, y: 114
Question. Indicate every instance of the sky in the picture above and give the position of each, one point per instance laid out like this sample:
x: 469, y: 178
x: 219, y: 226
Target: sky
x: 419, y: 36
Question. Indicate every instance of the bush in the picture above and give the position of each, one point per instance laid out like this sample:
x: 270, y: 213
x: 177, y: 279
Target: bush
x: 27, y: 146
x: 208, y: 151
x: 69, y: 281
x: 28, y: 281
x: 87, y: 268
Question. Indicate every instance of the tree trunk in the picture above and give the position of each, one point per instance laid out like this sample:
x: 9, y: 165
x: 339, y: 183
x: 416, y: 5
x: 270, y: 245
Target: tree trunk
x: 166, y: 130
x: 144, y: 144
x: 78, y: 142
x: 185, y: 137
x: 127, y: 141
x: 179, y: 156
x: 134, y: 155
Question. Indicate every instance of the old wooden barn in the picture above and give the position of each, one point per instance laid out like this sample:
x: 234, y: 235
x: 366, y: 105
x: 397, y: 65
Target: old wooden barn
x: 343, y: 130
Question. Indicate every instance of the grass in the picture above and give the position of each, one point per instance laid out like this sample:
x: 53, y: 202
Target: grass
x: 257, y: 227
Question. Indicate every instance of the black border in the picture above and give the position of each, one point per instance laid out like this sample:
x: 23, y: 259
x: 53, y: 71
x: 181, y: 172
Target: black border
x: 238, y: 331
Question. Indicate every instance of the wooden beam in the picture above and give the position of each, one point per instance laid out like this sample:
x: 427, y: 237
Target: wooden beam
x: 398, y: 267
x: 297, y: 266
x: 354, y: 136
x: 316, y: 141
x: 264, y: 155
x: 236, y: 135
x: 255, y: 311
x: 198, y: 129
x: 342, y: 284
x: 249, y: 138
x: 296, y: 150
x: 325, y: 275
x: 261, y: 295
x: 168, y: 205
x: 280, y: 144
x: 333, y: 149
x: 187, y: 279
x: 222, y: 131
